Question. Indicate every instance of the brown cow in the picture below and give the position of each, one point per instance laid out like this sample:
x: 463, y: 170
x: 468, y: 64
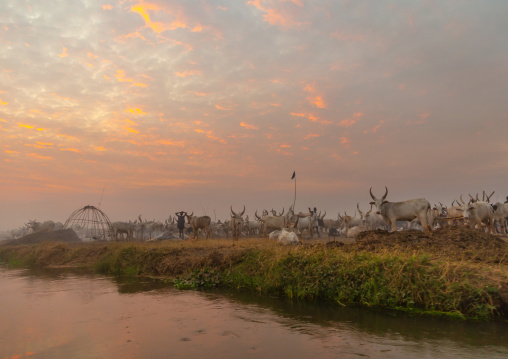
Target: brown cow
x: 198, y: 223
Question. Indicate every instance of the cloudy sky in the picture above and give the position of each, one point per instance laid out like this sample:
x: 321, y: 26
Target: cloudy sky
x: 151, y: 107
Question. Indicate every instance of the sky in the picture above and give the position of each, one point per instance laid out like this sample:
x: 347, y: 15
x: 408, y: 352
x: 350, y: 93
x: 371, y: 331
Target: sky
x: 152, y: 107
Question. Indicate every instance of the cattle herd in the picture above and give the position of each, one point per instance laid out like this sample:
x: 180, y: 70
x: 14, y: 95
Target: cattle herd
x: 383, y: 214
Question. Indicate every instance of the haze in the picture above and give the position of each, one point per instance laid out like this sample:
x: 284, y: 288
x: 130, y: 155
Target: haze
x: 152, y: 107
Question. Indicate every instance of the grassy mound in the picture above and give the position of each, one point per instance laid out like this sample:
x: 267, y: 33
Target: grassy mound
x: 62, y: 235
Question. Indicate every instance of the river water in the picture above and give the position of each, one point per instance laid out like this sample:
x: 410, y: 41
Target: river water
x: 69, y: 314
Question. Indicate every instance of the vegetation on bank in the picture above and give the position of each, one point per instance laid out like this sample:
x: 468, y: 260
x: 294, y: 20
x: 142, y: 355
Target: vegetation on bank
x: 455, y: 272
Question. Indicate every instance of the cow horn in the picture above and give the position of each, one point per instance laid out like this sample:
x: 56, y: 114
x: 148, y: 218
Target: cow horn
x: 462, y: 200
x: 233, y: 212
x: 256, y: 214
x: 359, y: 211
x: 386, y: 193
x: 374, y: 198
x: 190, y: 215
x: 282, y: 212
x: 243, y: 210
x: 488, y: 197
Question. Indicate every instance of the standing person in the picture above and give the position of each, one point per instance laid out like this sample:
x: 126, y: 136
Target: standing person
x: 315, y: 219
x: 181, y: 222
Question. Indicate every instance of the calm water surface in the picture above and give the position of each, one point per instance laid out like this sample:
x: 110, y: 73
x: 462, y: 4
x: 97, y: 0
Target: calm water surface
x: 66, y: 314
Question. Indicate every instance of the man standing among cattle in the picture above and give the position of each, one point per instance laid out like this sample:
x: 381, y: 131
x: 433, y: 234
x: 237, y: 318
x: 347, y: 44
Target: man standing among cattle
x: 315, y: 219
x: 181, y: 222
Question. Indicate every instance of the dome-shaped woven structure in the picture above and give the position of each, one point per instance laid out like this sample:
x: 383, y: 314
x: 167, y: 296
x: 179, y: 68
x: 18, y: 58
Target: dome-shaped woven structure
x: 90, y: 223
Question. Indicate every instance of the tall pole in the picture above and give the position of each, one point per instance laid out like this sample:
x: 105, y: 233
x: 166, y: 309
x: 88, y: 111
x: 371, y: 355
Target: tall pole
x: 294, y: 177
x: 294, y: 201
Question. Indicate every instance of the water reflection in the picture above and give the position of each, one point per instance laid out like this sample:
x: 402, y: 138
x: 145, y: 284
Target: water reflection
x: 69, y: 313
x: 393, y: 325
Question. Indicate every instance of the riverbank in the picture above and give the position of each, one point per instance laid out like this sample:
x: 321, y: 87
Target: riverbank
x: 453, y: 272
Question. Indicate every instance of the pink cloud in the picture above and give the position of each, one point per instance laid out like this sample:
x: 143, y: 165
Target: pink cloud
x: 311, y: 117
x: 346, y: 142
x: 250, y: 127
x: 375, y: 128
x: 281, y: 16
x: 314, y: 98
x: 312, y: 135
x: 348, y: 122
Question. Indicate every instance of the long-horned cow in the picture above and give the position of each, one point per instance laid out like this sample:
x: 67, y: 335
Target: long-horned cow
x: 403, y: 211
x: 236, y: 223
x: 501, y: 215
x: 454, y: 213
x: 251, y: 227
x: 198, y: 223
x: 302, y: 221
x: 370, y: 220
x: 478, y: 213
x: 123, y: 227
x: 272, y: 222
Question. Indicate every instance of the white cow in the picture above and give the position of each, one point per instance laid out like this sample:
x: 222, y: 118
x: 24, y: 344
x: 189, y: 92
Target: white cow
x: 478, y: 213
x: 236, y: 223
x: 373, y: 221
x: 288, y: 237
x: 123, y: 227
x: 454, y: 212
x: 303, y: 221
x: 251, y: 227
x: 151, y: 228
x: 272, y: 222
x: 353, y: 231
x: 402, y: 211
x: 501, y: 215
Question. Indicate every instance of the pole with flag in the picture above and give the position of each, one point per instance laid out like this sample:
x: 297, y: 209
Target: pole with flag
x: 294, y: 177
